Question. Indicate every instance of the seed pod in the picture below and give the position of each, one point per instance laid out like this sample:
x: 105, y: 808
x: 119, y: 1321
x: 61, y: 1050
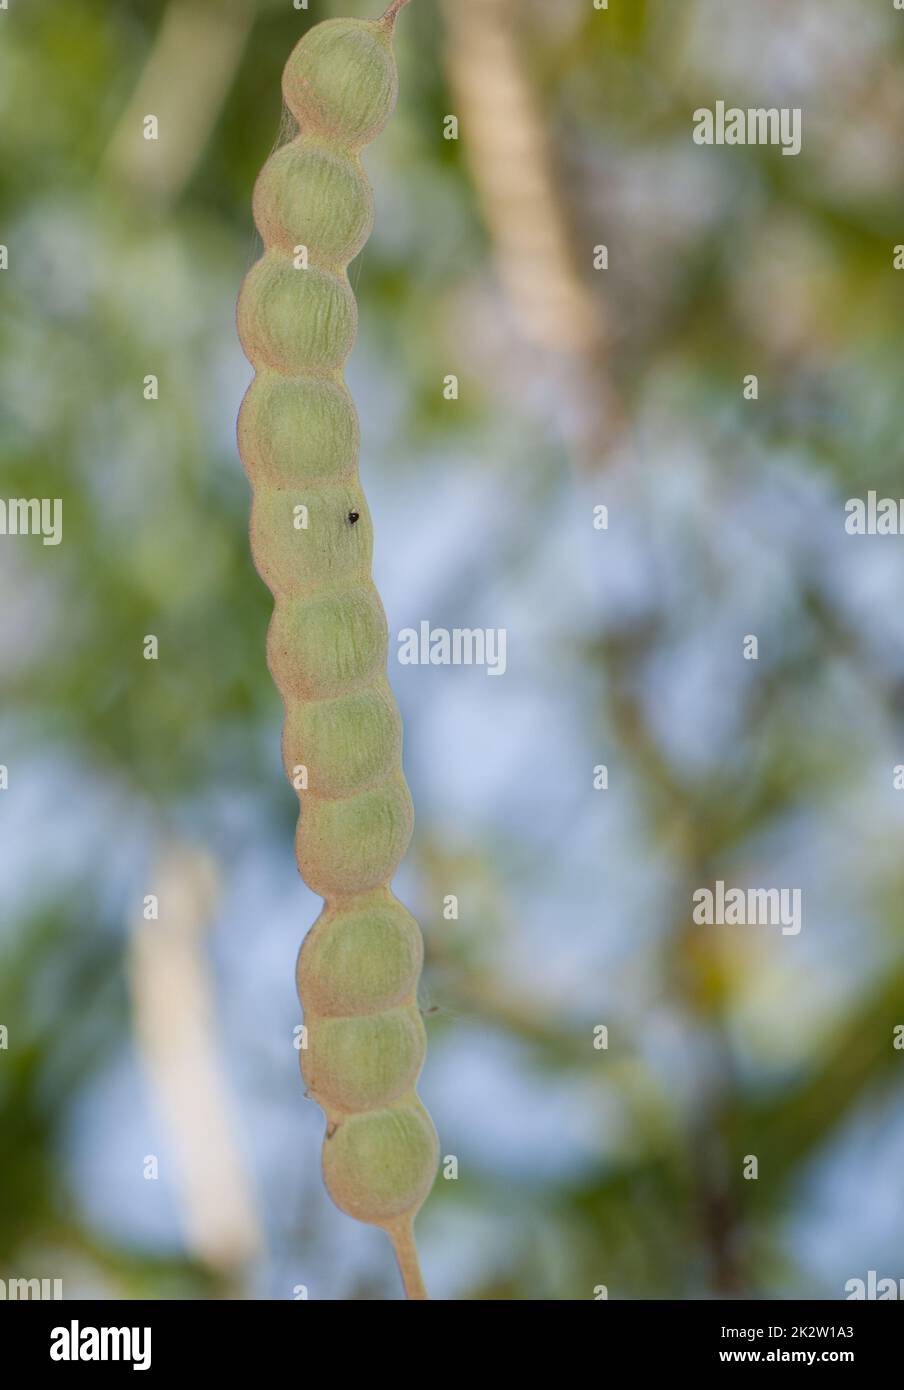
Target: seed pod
x: 311, y: 537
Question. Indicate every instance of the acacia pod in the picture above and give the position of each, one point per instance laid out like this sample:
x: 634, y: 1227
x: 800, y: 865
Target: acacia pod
x: 296, y: 431
x: 312, y: 541
x: 313, y: 197
x: 383, y: 1164
x: 346, y: 744
x: 361, y: 957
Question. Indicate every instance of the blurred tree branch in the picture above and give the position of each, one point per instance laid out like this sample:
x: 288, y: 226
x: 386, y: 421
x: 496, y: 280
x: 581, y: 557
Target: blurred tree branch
x: 512, y: 163
x: 184, y: 83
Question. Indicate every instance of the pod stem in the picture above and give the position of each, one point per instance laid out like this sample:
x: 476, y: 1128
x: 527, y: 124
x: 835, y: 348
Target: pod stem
x: 389, y: 18
x: 402, y: 1237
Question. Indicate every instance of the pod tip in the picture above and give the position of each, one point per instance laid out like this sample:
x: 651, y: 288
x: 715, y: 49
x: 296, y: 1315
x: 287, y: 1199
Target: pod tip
x: 389, y: 18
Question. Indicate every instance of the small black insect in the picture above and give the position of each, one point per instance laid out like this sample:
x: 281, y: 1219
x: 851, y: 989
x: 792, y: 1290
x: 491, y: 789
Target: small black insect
x: 353, y: 517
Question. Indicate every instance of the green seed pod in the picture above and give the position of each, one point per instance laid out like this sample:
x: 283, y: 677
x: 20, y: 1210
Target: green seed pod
x: 311, y: 537
x: 361, y: 957
x: 341, y: 79
x: 318, y: 648
x: 381, y: 1164
x: 355, y: 1064
x: 298, y: 321
x: 303, y: 542
x: 349, y: 846
x: 346, y: 744
x: 310, y: 197
x: 298, y: 430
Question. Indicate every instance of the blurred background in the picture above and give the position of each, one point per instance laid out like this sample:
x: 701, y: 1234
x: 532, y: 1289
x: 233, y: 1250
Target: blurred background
x: 154, y: 1136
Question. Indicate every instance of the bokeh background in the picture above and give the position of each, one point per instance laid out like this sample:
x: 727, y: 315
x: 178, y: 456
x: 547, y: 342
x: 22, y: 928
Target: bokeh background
x: 131, y: 1042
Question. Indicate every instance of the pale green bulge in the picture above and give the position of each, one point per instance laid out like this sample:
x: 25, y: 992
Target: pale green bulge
x: 342, y: 77
x: 360, y: 958
x: 357, y: 1064
x: 313, y: 198
x: 304, y: 551
x: 381, y: 1164
x: 349, y: 846
x: 298, y: 430
x: 296, y: 320
x: 319, y: 647
x: 345, y: 744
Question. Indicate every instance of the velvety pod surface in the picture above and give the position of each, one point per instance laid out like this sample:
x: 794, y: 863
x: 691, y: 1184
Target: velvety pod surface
x: 345, y: 744
x: 349, y: 846
x: 381, y: 1164
x: 295, y: 431
x: 298, y: 321
x: 342, y: 79
x: 361, y: 957
x: 320, y: 647
x: 361, y: 1063
x: 311, y: 197
x: 304, y: 543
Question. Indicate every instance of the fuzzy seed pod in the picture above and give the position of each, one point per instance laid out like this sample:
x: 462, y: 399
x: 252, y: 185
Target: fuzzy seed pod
x: 312, y: 541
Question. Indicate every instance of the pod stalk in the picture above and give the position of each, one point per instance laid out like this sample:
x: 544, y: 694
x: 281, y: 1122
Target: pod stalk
x: 403, y: 1242
x: 389, y: 18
